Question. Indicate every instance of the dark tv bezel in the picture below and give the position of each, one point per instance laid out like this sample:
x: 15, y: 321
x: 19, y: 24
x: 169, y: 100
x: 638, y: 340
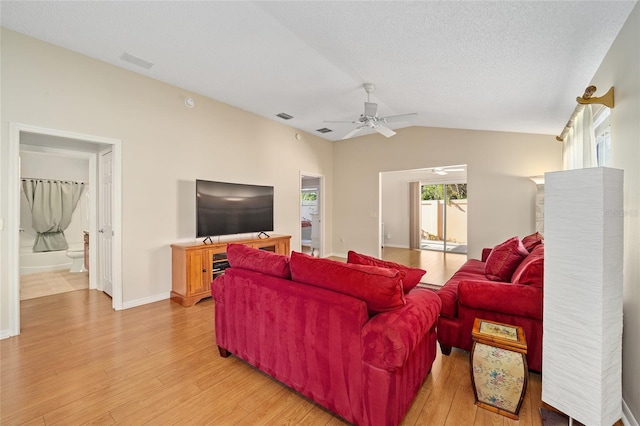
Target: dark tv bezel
x: 246, y: 230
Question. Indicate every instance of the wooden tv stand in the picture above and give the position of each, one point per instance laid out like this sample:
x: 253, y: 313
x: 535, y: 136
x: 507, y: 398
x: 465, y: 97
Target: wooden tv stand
x: 195, y: 265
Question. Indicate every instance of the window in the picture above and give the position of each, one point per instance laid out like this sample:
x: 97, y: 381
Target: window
x: 602, y: 130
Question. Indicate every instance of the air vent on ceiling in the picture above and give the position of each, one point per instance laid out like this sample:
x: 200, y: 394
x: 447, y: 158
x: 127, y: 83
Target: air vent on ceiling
x: 136, y: 61
x: 324, y: 130
x: 284, y: 116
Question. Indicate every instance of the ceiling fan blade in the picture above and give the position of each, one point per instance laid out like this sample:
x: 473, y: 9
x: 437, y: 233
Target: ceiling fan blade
x: 401, y: 117
x: 370, y: 109
x: 341, y: 122
x: 384, y: 131
x: 351, y: 133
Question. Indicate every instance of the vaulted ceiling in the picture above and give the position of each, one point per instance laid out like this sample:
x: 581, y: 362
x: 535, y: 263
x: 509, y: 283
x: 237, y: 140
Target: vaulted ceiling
x: 501, y: 65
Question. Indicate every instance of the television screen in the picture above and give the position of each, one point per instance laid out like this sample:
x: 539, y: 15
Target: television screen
x: 224, y: 208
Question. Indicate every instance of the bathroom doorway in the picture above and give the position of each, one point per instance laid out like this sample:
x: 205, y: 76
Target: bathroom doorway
x: 50, y: 171
x: 311, y: 214
x: 32, y: 138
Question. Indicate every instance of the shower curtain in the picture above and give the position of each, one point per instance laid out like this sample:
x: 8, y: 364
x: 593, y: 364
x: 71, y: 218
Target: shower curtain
x: 52, y: 203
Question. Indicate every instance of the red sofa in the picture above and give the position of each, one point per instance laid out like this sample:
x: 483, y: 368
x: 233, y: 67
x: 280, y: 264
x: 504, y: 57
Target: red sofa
x: 345, y: 335
x: 505, y: 286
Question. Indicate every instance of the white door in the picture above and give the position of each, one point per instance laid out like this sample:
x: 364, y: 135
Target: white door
x: 105, y: 220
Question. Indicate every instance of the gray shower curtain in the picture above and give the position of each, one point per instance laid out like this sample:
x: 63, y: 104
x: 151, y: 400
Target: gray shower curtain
x: 52, y: 203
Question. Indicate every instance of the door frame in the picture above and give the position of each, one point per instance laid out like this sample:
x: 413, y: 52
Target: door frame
x: 322, y: 203
x: 13, y: 216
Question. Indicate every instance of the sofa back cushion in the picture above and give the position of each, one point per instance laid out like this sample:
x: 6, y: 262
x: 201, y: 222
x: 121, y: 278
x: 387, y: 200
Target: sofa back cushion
x: 380, y: 288
x: 265, y: 262
x: 531, y: 241
x: 412, y: 275
x: 531, y: 269
x: 504, y: 259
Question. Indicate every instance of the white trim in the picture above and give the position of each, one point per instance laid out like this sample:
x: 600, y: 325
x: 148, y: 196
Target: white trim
x: 146, y: 300
x: 5, y: 334
x: 627, y: 415
x: 13, y: 227
x: 13, y: 219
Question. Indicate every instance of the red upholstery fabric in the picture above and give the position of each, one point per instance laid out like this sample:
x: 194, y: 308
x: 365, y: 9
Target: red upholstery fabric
x: 504, y: 259
x: 469, y: 294
x: 381, y: 288
x: 532, y: 241
x: 313, y: 340
x: 390, y: 337
x: 531, y: 269
x: 412, y: 275
x: 241, y: 256
x: 507, y: 298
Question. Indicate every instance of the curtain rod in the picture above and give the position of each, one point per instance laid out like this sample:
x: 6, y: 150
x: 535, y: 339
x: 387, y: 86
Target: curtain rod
x: 54, y: 180
x: 583, y: 100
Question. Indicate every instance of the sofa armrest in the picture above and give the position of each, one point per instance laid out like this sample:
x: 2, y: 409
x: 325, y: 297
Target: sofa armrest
x: 506, y: 298
x: 485, y: 253
x: 390, y: 337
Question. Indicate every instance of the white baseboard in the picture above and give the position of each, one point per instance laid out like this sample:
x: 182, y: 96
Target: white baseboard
x: 396, y: 246
x: 146, y: 300
x: 627, y: 416
x: 4, y: 334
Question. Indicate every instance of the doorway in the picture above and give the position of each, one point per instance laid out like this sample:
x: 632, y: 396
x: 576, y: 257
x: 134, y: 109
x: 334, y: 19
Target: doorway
x: 82, y: 145
x: 311, y: 214
x: 443, y: 217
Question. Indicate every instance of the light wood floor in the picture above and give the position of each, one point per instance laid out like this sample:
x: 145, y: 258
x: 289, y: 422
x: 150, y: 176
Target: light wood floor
x: 439, y: 266
x: 77, y: 361
x: 47, y: 283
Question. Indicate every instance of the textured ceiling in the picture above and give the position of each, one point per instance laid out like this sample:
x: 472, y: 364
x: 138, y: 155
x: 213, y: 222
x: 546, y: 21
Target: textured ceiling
x: 512, y: 66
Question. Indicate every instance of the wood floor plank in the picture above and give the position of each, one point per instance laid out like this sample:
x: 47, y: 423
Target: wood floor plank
x: 78, y: 361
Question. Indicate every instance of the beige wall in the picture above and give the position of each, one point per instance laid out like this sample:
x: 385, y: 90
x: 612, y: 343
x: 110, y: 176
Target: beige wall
x: 165, y: 147
x: 621, y: 69
x: 498, y: 168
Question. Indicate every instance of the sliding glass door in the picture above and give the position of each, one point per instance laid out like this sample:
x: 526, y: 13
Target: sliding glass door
x: 443, y: 217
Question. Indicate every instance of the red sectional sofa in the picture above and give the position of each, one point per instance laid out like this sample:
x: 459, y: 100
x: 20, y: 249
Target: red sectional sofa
x: 505, y: 286
x: 345, y: 335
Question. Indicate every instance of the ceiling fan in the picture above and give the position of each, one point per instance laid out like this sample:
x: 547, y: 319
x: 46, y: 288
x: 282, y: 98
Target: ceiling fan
x: 370, y: 118
x: 445, y: 170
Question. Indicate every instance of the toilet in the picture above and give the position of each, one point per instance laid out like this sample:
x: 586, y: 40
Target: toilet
x: 76, y: 253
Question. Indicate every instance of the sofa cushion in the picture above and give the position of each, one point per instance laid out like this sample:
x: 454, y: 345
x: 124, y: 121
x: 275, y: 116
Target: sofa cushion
x: 531, y: 241
x: 412, y: 275
x: 266, y: 262
x: 381, y: 288
x: 531, y: 269
x: 504, y: 259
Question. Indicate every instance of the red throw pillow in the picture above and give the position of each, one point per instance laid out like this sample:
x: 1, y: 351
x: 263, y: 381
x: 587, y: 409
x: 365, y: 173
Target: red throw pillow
x: 531, y: 269
x: 412, y: 275
x: 531, y: 241
x: 381, y: 288
x: 265, y: 262
x: 504, y: 259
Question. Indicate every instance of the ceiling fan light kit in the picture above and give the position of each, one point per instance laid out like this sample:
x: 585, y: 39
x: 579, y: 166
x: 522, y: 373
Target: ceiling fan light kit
x: 370, y: 118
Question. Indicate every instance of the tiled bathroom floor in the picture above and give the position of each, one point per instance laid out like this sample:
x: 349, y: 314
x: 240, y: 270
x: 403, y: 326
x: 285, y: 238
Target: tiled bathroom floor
x: 47, y: 283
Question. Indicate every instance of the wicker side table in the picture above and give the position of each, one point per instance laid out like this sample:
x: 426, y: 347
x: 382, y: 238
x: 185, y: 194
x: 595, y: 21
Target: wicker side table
x: 499, y: 370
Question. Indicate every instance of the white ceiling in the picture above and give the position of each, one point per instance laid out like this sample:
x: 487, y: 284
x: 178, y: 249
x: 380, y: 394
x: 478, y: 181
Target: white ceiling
x: 512, y: 66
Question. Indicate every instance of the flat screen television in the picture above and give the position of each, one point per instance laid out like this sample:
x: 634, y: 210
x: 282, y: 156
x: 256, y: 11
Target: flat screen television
x: 224, y: 208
